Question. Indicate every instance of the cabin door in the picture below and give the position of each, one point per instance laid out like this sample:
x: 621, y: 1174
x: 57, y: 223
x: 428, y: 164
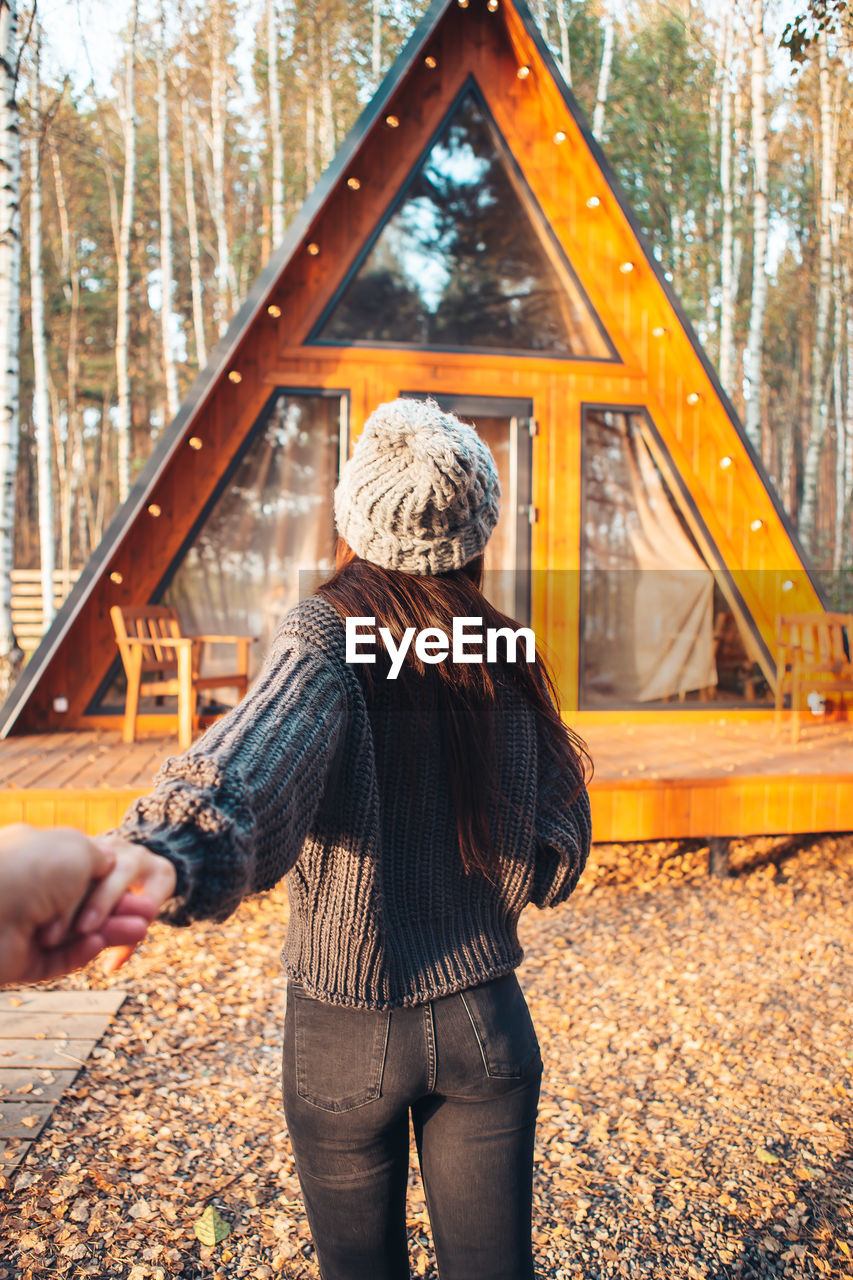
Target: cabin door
x: 507, y: 426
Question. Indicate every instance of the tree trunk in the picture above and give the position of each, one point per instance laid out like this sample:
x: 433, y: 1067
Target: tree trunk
x: 73, y: 462
x: 276, y: 136
x: 123, y: 300
x: 217, y: 126
x: 192, y: 228
x: 327, y: 117
x: 170, y: 372
x: 10, y: 309
x: 727, y: 274
x: 604, y: 73
x: 755, y: 344
x: 376, y: 55
x: 818, y: 415
x: 565, y: 53
x: 311, y: 114
x: 41, y: 403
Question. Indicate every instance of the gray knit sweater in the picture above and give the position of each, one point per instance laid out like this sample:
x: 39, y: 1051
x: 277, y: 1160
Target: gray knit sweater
x: 301, y: 779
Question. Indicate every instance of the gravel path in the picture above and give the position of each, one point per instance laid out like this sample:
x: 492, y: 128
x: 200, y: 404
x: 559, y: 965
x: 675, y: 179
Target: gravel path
x: 696, y: 1109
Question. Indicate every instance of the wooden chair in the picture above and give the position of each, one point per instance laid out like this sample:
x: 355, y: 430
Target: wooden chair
x: 812, y: 655
x: 159, y: 659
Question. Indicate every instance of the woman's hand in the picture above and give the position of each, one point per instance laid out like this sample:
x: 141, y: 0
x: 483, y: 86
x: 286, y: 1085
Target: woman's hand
x: 45, y: 876
x: 139, y: 881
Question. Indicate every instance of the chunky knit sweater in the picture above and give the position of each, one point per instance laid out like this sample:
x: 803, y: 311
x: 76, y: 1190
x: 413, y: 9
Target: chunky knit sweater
x: 306, y: 779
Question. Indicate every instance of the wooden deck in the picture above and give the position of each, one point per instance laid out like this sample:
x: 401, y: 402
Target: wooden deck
x: 676, y: 779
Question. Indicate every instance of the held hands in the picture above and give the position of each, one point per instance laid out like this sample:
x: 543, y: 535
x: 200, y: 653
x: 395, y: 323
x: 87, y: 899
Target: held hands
x: 65, y: 897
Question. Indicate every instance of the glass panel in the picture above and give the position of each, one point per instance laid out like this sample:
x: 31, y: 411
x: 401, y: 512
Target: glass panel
x: 656, y: 629
x: 501, y: 559
x: 273, y: 519
x: 460, y: 262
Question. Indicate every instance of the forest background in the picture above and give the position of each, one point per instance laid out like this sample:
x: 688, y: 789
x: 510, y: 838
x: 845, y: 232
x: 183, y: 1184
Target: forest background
x: 150, y: 198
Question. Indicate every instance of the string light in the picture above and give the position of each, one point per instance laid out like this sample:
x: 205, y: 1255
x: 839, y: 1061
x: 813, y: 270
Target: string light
x: 658, y: 331
x: 726, y: 462
x: 154, y: 508
x: 353, y: 184
x: 593, y: 202
x: 234, y: 375
x: 116, y: 577
x: 693, y: 398
x: 626, y: 268
x: 392, y: 122
x: 787, y: 585
x: 431, y: 62
x: 755, y: 525
x: 195, y: 443
x: 523, y: 73
x: 463, y: 4
x: 313, y: 249
x: 274, y: 311
x: 559, y: 137
x: 492, y: 6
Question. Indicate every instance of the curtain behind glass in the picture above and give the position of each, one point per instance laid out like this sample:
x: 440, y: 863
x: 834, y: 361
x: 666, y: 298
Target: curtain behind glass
x: 273, y: 520
x: 647, y: 593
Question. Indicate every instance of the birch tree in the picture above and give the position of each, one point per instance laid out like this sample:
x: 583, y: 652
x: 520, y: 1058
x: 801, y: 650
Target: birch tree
x: 217, y: 132
x: 276, y: 137
x: 128, y: 120
x: 187, y: 143
x: 819, y: 409
x: 727, y: 274
x: 609, y: 23
x: 760, y: 221
x: 565, y: 54
x: 170, y: 371
x: 41, y: 403
x: 10, y: 300
x: 376, y: 47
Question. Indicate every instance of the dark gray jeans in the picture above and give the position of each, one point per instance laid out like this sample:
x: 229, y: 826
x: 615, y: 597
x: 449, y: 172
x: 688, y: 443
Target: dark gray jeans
x: 468, y: 1069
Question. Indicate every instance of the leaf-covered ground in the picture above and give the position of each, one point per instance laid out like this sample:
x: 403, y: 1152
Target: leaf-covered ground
x: 696, y: 1109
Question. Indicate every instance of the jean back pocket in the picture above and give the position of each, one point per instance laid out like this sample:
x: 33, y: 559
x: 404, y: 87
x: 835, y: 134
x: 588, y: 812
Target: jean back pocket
x: 340, y: 1052
x: 504, y: 1029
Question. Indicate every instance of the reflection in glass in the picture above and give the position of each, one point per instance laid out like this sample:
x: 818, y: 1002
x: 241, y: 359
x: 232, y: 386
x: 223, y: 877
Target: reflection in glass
x: 273, y: 519
x: 460, y: 263
x: 656, y: 628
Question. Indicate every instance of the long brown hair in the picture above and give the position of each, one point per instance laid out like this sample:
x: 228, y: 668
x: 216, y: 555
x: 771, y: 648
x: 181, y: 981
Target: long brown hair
x: 465, y: 694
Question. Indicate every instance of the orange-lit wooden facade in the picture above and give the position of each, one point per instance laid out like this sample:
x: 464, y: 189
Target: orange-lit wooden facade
x: 733, y: 514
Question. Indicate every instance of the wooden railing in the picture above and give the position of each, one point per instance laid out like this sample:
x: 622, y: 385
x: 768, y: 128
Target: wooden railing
x: 27, y: 614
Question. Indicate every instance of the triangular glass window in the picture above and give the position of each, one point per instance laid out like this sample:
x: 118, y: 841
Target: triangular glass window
x: 465, y: 259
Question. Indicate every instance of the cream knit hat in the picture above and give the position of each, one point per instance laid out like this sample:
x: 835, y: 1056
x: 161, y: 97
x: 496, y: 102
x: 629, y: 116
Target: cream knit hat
x: 420, y: 492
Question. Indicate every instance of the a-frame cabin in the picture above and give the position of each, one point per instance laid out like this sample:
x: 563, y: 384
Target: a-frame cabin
x: 469, y: 242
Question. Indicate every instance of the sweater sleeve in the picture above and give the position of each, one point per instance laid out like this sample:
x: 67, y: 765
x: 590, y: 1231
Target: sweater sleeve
x: 563, y: 830
x: 232, y: 813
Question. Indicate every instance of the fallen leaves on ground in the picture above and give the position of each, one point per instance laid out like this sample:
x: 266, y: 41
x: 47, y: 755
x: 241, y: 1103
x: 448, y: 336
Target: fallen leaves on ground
x: 695, y: 1113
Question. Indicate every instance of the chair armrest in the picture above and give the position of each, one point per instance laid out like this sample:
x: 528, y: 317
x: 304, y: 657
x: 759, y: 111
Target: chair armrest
x: 222, y: 639
x: 163, y: 642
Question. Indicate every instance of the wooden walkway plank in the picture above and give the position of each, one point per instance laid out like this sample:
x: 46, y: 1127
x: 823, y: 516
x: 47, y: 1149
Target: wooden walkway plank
x: 57, y: 1025
x: 34, y: 1000
x: 41, y: 1086
x: 45, y: 1055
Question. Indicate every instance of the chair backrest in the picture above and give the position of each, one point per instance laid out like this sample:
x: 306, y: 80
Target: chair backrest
x: 151, y: 623
x: 822, y: 638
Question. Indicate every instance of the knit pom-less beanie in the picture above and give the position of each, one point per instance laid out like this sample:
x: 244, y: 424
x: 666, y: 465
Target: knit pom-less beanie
x: 420, y: 491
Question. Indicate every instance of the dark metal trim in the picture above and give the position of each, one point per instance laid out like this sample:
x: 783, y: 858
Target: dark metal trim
x: 94, y: 707
x: 682, y: 495
x: 624, y: 203
x: 536, y: 215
